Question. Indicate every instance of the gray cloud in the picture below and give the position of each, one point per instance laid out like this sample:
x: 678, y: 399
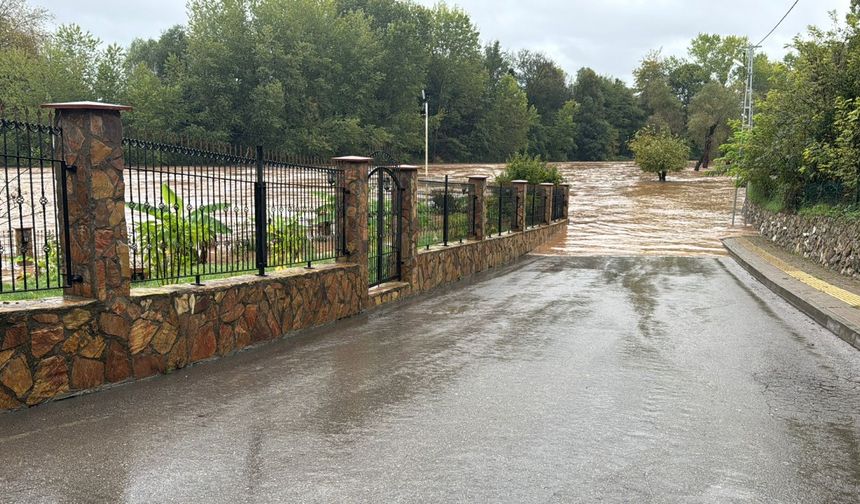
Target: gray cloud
x: 610, y: 36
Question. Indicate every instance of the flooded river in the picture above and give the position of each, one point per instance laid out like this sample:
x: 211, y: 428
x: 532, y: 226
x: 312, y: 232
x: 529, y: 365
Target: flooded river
x: 616, y: 210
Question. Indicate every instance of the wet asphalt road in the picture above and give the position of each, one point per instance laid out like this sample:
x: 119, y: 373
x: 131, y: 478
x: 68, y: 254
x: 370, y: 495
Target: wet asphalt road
x: 553, y: 380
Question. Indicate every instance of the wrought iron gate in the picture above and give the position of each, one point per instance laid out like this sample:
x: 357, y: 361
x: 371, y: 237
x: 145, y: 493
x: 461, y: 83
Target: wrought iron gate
x: 384, y: 220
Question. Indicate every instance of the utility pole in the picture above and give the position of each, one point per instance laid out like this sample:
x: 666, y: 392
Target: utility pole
x: 425, y: 111
x: 748, y: 92
x: 747, y: 114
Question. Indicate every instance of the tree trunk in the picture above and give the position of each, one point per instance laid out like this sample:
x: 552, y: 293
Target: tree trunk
x: 705, y: 161
x: 662, y: 176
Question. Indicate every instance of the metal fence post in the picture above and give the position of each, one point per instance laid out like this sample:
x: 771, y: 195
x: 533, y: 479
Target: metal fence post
x: 565, y: 188
x: 548, y: 190
x: 445, y: 219
x: 260, y: 215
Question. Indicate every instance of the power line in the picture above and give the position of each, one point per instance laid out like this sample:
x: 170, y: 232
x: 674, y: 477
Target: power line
x: 779, y: 23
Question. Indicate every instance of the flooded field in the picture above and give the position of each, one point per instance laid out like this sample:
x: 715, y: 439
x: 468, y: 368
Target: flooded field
x: 616, y: 210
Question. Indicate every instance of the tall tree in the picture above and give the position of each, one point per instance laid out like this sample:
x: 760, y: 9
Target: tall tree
x: 722, y: 57
x: 457, y: 78
x: 595, y: 137
x: 710, y: 112
x: 663, y: 108
x: 545, y: 82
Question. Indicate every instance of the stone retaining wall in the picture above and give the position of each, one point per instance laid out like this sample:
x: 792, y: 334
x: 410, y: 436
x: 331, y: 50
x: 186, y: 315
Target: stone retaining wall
x: 442, y: 266
x: 64, y: 348
x: 831, y: 242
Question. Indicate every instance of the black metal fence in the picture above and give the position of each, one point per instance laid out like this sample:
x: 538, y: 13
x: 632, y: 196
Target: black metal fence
x: 446, y: 212
x: 200, y: 212
x: 557, y: 203
x: 385, y: 226
x: 535, y: 205
x: 828, y: 192
x: 31, y: 214
x: 501, y: 208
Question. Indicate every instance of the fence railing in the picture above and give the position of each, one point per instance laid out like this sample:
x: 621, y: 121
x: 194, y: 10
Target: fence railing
x: 195, y: 213
x: 501, y: 209
x: 557, y: 203
x: 32, y: 257
x: 535, y: 205
x: 446, y: 212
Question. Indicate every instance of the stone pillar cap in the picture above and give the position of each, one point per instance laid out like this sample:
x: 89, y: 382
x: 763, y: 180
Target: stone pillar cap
x: 86, y: 105
x: 519, y: 181
x: 353, y: 159
x: 550, y: 184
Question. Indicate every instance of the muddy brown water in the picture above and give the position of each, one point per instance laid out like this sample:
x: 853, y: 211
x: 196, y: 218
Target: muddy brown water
x: 617, y: 210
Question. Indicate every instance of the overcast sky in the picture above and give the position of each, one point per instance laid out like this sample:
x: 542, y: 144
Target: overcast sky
x: 610, y: 36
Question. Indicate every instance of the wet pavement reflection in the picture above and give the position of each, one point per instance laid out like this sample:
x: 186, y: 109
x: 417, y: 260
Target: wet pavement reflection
x: 557, y: 379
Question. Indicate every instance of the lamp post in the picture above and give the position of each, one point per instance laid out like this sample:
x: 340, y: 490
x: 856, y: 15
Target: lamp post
x: 425, y: 111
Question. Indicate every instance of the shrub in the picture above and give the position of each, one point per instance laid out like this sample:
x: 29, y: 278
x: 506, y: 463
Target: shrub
x: 531, y: 168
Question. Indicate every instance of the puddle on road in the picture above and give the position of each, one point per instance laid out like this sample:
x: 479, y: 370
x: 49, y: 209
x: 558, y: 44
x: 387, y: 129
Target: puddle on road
x: 616, y: 210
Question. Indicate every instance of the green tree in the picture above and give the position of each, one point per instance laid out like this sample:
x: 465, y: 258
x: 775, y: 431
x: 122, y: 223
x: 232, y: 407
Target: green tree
x: 710, y: 111
x: 659, y: 152
x: 721, y: 57
x: 457, y: 79
x: 662, y: 107
x: 22, y: 27
x: 544, y: 82
x: 503, y: 128
x: 595, y: 137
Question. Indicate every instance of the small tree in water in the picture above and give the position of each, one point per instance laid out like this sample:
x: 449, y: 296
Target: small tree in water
x: 659, y: 152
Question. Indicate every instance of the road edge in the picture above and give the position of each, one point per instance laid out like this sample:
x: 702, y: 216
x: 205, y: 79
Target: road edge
x: 796, y: 293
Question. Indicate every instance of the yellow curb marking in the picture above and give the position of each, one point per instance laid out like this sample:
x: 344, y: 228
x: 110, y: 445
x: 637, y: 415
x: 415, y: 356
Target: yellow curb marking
x: 816, y: 283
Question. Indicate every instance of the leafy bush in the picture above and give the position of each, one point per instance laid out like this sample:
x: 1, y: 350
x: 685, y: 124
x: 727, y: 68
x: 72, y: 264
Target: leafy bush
x: 531, y: 168
x: 175, y: 238
x: 288, y: 240
x: 659, y: 152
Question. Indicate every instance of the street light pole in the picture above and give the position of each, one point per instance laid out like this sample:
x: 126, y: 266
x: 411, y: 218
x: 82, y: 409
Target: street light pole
x: 426, y: 113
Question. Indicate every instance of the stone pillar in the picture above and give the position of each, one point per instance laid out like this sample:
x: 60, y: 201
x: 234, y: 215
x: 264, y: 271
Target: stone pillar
x: 408, y: 178
x: 566, y: 189
x: 354, y: 180
x: 98, y: 241
x: 547, y: 208
x: 520, y: 187
x: 479, y: 182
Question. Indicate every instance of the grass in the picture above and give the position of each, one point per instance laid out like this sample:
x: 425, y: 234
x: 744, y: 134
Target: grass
x: 7, y: 296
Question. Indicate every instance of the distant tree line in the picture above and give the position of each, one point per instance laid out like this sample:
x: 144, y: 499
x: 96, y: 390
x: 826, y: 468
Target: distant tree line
x: 336, y: 76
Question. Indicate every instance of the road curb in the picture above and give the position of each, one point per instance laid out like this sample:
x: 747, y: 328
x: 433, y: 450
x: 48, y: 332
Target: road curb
x: 795, y: 292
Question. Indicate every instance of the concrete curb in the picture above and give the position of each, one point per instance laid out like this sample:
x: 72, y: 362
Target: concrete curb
x: 819, y: 306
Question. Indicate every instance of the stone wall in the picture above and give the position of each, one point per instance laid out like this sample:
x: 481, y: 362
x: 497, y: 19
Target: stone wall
x: 831, y: 242
x: 446, y: 265
x: 64, y: 348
